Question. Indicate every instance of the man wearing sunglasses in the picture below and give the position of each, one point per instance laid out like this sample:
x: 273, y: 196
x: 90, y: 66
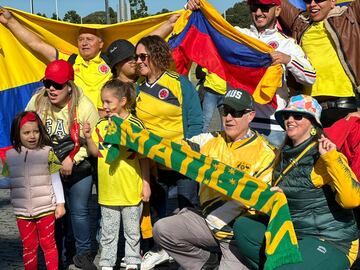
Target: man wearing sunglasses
x: 264, y: 14
x: 194, y: 238
x: 330, y: 36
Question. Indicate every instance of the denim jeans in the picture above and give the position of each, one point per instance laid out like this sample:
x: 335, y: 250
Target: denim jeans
x: 187, y: 191
x: 275, y: 137
x: 77, y: 198
x: 209, y: 105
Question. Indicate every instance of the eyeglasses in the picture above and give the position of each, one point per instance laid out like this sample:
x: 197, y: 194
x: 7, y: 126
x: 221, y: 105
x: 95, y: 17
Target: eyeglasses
x: 49, y: 83
x: 225, y: 110
x: 296, y: 116
x: 263, y: 8
x: 316, y: 1
x: 142, y: 56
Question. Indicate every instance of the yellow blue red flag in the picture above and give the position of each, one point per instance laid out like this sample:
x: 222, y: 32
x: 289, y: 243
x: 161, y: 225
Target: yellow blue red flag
x: 204, y: 37
x: 22, y: 69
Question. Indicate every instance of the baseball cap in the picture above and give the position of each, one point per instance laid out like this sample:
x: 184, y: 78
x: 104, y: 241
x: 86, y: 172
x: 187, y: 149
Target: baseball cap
x: 119, y: 50
x: 264, y: 2
x: 238, y: 99
x: 301, y: 104
x: 59, y: 71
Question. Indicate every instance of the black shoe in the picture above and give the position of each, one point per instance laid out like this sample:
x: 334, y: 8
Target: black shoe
x: 84, y: 261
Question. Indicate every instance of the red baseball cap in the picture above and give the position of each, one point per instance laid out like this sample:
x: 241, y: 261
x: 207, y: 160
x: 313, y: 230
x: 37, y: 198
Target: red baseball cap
x: 265, y: 2
x: 59, y: 71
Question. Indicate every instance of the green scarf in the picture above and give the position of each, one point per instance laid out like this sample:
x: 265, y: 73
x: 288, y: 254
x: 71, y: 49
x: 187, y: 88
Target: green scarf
x: 281, y: 242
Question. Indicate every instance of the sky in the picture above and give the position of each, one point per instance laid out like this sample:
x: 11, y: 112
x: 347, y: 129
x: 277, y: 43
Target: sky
x: 84, y: 8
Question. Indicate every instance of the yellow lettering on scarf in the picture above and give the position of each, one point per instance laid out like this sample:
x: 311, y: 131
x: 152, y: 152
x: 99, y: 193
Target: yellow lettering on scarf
x: 188, y: 159
x: 273, y: 244
x: 161, y: 151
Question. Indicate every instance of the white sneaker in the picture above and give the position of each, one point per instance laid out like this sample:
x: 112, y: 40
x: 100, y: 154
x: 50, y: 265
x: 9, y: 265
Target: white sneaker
x: 122, y: 263
x: 151, y: 259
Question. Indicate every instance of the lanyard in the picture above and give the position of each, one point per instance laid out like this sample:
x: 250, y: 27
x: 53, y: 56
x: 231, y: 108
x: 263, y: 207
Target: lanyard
x: 293, y: 162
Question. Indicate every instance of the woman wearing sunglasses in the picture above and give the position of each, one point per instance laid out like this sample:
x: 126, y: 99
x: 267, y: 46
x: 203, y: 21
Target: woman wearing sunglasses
x: 320, y: 188
x: 169, y: 106
x: 62, y: 107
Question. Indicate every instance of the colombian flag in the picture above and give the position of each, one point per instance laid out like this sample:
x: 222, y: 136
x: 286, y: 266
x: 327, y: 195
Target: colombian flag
x: 22, y: 69
x: 205, y: 38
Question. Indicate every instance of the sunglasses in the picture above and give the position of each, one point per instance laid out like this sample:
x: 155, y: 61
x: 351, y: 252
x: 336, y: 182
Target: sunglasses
x: 263, y: 8
x: 142, y: 56
x: 49, y: 83
x: 225, y: 110
x: 296, y: 116
x: 316, y: 1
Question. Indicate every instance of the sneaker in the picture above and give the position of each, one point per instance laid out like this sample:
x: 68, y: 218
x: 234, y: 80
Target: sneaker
x: 151, y: 259
x: 122, y: 262
x: 84, y: 261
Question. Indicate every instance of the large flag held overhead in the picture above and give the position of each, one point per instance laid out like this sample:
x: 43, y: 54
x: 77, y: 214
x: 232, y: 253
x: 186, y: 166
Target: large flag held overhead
x: 281, y: 242
x: 205, y: 38
x: 21, y: 68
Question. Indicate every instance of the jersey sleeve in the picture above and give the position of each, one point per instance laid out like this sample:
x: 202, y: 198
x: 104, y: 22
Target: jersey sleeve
x: 54, y: 162
x: 332, y: 169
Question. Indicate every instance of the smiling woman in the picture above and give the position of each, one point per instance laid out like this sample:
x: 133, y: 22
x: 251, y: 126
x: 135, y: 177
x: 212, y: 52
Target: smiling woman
x: 320, y: 189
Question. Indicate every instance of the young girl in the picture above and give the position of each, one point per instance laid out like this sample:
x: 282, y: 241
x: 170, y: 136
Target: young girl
x: 32, y: 174
x: 124, y: 184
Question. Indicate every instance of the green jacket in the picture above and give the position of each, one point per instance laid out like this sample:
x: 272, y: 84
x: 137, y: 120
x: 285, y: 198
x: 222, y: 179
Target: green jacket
x: 313, y: 194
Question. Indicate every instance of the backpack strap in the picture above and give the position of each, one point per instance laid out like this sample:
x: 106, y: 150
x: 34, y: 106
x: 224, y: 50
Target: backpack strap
x: 72, y: 58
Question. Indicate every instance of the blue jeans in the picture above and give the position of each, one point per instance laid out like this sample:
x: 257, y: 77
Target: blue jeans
x: 275, y: 137
x: 77, y: 198
x: 210, y: 103
x: 187, y: 191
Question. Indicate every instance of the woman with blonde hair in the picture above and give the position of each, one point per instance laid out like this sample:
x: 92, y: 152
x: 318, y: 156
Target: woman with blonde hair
x: 63, y: 109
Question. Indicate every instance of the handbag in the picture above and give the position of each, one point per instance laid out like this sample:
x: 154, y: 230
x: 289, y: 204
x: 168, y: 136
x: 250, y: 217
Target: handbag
x: 62, y: 148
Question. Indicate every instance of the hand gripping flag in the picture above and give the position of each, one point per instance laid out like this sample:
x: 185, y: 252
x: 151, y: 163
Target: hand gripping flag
x: 205, y: 38
x: 281, y: 242
x: 22, y: 69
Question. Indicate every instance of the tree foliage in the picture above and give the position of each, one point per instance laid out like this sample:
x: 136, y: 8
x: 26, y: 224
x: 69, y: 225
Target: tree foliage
x: 239, y: 15
x: 41, y: 14
x: 54, y: 17
x: 97, y: 17
x: 164, y: 10
x: 138, y: 9
x: 72, y: 16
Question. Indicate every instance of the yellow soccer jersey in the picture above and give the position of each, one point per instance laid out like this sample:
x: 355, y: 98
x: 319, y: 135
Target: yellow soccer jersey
x: 120, y: 183
x: 159, y: 106
x: 91, y: 76
x: 253, y: 155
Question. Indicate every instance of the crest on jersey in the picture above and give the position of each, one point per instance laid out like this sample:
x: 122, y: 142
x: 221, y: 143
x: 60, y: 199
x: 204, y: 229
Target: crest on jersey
x: 104, y: 68
x: 163, y: 93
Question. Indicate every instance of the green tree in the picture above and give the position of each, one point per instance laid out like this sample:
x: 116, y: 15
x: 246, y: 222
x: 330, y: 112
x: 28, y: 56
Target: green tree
x: 41, y: 14
x: 95, y: 17
x: 164, y: 10
x: 54, y: 17
x: 138, y: 9
x: 239, y: 15
x: 113, y: 15
x: 72, y: 16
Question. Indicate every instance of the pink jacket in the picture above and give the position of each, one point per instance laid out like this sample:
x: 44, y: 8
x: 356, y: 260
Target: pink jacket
x: 31, y: 188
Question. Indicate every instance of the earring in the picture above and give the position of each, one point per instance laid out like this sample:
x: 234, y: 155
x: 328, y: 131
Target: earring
x: 313, y: 131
